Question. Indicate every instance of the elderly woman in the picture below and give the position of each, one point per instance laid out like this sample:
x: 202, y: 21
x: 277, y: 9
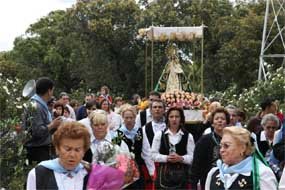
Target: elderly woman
x: 173, y: 149
x: 71, y: 141
x: 239, y: 167
x: 270, y: 124
x: 132, y: 137
x: 207, y: 148
x: 99, y: 124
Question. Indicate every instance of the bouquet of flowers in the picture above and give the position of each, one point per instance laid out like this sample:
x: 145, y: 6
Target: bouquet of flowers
x: 113, y: 168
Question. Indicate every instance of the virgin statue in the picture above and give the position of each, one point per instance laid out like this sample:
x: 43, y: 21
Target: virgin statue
x: 174, y: 68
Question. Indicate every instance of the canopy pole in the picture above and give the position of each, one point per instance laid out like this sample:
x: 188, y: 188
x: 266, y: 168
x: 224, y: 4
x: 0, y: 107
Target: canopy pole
x: 145, y: 70
x: 202, y: 60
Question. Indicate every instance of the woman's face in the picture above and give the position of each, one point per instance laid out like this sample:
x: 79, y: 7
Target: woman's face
x: 58, y: 110
x: 174, y: 119
x: 269, y: 128
x: 70, y: 152
x: 231, y: 151
x: 105, y: 106
x: 66, y: 113
x: 100, y: 130
x: 129, y: 119
x: 219, y: 122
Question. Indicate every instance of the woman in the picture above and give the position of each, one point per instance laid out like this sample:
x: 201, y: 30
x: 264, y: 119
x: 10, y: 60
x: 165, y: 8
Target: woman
x: 239, y: 167
x: 270, y: 124
x: 105, y: 94
x: 58, y: 109
x: 99, y: 124
x: 132, y: 136
x: 71, y: 141
x: 114, y: 120
x: 173, y: 148
x: 207, y: 148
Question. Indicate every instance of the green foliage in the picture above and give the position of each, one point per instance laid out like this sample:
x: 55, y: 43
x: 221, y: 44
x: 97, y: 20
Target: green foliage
x: 249, y: 99
x: 12, y: 154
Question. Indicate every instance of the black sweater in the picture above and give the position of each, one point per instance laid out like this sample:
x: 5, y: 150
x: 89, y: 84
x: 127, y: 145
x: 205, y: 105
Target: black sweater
x: 206, y: 154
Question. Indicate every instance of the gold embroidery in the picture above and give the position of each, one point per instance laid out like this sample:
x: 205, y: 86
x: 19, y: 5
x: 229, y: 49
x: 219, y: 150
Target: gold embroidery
x: 218, y: 182
x: 242, y: 182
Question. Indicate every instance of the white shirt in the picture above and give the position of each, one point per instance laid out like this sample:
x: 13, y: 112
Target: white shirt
x: 267, y: 178
x: 114, y: 121
x: 146, y: 148
x: 62, y: 180
x: 282, y: 181
x: 72, y: 113
x: 138, y: 118
x: 87, y: 123
x: 173, y: 139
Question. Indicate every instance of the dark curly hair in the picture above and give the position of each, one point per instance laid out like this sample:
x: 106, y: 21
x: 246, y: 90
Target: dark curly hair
x: 220, y: 110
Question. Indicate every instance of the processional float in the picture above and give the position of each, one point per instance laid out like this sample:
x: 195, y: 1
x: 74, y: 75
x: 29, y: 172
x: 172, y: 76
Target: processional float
x: 173, y: 81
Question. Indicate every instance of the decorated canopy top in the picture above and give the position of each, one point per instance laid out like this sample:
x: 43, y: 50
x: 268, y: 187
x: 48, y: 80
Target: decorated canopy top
x: 172, y: 33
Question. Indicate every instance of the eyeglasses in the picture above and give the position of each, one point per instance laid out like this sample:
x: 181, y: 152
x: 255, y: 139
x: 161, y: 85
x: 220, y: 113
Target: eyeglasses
x: 271, y: 127
x: 225, y: 145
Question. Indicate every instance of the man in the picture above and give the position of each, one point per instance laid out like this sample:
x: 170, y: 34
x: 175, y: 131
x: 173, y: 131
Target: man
x: 267, y: 106
x: 82, y: 112
x: 64, y: 99
x: 145, y: 116
x: 38, y: 122
x: 157, y: 109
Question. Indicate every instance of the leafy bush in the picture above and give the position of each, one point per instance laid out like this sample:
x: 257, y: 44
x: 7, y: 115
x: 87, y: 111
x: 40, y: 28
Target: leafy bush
x: 12, y: 153
x: 249, y: 99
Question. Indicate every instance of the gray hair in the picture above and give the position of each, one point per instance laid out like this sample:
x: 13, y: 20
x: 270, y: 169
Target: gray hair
x: 230, y: 106
x: 269, y: 117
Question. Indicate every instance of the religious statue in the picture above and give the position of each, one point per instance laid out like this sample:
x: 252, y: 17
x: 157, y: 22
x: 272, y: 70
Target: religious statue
x: 173, y: 77
x: 174, y: 69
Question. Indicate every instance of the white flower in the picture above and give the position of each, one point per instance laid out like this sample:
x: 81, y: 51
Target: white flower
x: 18, y: 99
x: 10, y: 81
x: 19, y: 106
x: 34, y: 104
x: 6, y: 89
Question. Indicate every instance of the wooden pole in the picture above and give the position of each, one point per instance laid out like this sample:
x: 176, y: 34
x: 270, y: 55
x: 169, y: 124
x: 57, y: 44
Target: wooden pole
x: 145, y: 70
x: 151, y: 84
x: 202, y: 60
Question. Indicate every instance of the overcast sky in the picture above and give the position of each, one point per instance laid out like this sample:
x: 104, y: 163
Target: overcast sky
x: 17, y: 15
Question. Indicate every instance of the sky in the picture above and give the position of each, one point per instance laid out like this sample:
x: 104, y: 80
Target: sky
x: 17, y: 15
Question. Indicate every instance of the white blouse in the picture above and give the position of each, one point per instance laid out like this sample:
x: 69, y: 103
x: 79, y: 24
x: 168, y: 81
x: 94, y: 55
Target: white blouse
x: 173, y: 139
x: 62, y: 180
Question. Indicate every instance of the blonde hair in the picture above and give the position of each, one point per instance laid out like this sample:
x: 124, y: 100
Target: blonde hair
x: 242, y: 136
x: 98, y: 117
x: 128, y: 107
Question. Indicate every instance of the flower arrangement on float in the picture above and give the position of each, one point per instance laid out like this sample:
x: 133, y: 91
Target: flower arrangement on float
x: 189, y: 102
x: 113, y: 168
x: 185, y: 100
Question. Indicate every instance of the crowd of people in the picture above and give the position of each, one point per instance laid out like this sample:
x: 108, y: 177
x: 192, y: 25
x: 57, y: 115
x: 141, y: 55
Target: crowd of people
x: 232, y: 152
